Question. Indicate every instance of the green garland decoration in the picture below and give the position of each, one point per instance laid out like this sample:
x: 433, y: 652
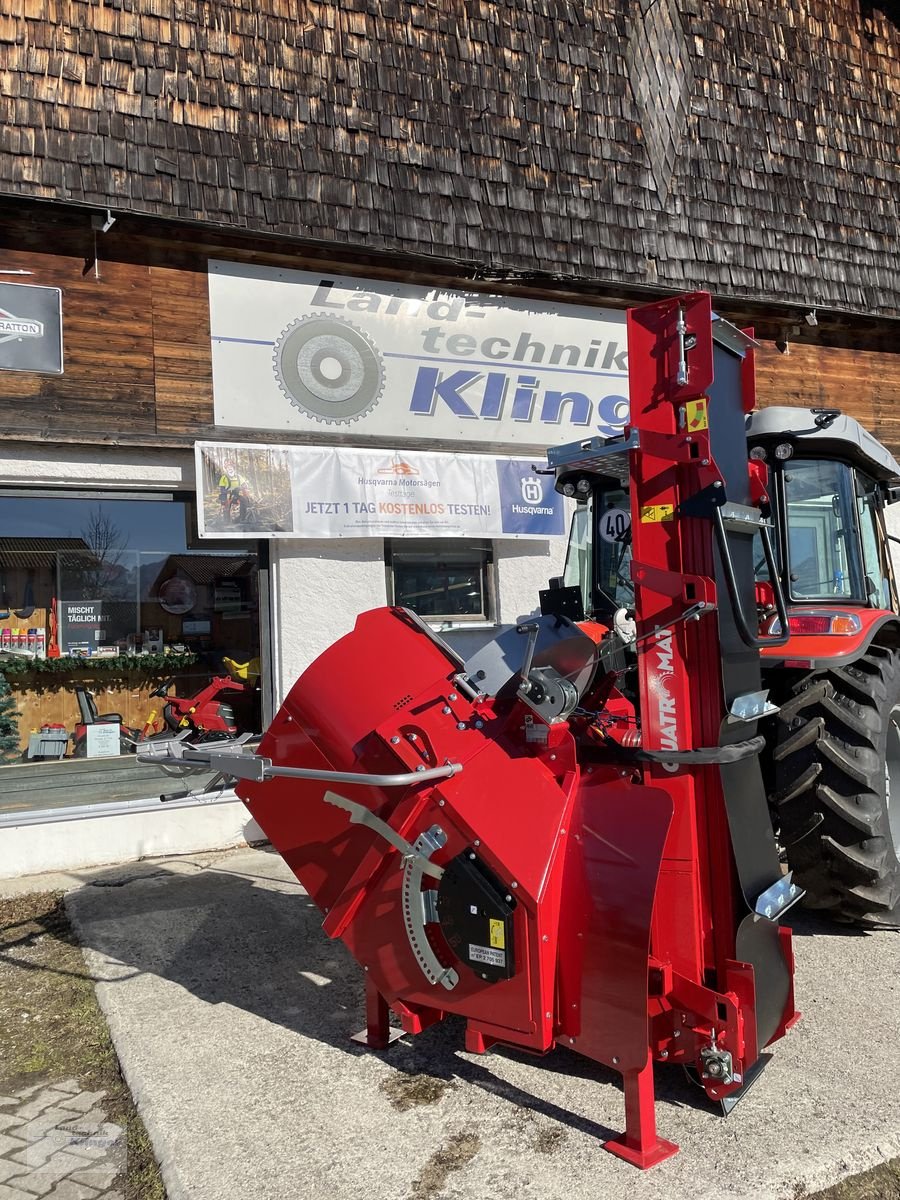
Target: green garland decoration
x: 120, y: 664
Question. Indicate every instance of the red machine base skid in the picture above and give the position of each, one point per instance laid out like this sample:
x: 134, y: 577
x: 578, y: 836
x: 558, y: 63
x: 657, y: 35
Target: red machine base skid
x: 639, y: 1144
x: 379, y: 1033
x: 638, y: 1157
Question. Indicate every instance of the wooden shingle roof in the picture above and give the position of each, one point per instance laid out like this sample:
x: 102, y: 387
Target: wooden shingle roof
x: 750, y: 147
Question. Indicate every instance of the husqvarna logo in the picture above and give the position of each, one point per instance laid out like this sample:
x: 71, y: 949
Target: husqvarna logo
x: 12, y: 328
x: 532, y: 492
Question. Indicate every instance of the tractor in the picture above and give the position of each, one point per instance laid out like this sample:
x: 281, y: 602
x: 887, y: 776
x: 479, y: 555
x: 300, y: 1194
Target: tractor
x: 832, y: 759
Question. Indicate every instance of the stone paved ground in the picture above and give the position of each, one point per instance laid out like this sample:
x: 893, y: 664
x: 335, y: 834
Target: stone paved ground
x: 56, y: 1143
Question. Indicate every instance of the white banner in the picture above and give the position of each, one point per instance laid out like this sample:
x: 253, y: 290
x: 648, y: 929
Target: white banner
x: 305, y: 352
x: 334, y: 492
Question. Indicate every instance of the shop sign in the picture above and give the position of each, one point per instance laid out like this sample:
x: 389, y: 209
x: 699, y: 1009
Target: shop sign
x: 85, y: 625
x: 30, y: 328
x: 307, y: 352
x: 333, y: 492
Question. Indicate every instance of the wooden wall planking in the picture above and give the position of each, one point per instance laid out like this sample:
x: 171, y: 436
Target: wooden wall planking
x: 863, y: 383
x: 182, y: 351
x: 138, y: 364
x: 108, y: 381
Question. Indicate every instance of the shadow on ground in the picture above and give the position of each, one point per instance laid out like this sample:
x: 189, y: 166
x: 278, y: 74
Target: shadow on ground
x: 227, y: 940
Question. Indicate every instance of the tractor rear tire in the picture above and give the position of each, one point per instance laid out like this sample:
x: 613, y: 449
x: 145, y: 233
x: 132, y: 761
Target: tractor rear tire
x: 837, y: 788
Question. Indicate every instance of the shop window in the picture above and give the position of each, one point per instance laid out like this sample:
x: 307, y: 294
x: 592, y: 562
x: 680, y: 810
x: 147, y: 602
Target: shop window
x: 442, y: 579
x: 113, y: 626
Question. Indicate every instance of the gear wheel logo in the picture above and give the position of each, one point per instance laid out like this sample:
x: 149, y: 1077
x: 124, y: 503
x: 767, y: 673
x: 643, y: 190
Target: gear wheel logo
x: 328, y: 369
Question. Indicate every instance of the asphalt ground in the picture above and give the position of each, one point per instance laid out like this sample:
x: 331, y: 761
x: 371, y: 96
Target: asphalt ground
x: 230, y: 1011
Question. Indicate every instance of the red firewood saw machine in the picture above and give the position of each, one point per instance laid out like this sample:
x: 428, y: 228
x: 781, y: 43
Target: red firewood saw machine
x: 523, y: 840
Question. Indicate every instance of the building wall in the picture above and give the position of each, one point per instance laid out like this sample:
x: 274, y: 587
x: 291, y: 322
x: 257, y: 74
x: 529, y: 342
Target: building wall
x: 138, y: 356
x: 32, y: 464
x: 321, y: 587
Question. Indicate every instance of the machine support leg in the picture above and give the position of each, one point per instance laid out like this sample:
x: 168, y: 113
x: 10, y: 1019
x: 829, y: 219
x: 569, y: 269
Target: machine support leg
x: 378, y: 1033
x: 639, y: 1144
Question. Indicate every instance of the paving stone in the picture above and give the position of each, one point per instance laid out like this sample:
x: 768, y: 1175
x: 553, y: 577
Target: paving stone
x: 35, y: 1154
x: 8, y: 1169
x: 34, y: 1130
x: 57, y: 1167
x: 37, y: 1104
x: 88, y: 1122
x: 68, y: 1085
x: 83, y: 1101
x: 8, y: 1145
x: 7, y: 1192
x: 67, y: 1190
x: 86, y: 1150
x: 99, y: 1176
x: 7, y: 1120
x: 6, y: 1101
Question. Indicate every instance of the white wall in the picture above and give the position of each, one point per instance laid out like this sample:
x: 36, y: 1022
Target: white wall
x: 321, y: 586
x: 69, y: 845
x: 46, y: 465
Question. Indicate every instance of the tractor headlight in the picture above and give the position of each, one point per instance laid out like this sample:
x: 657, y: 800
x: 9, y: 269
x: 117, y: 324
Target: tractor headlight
x: 784, y: 450
x: 758, y: 454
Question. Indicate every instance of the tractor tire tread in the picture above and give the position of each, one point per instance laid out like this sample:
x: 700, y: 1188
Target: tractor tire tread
x: 829, y: 793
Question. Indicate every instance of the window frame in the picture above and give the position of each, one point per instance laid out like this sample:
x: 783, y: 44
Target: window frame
x: 394, y: 548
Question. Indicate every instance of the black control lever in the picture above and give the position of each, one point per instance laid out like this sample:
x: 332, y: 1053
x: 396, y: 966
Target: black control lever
x: 532, y: 629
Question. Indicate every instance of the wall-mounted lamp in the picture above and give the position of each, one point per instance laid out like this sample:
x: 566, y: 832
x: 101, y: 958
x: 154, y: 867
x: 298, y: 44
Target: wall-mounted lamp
x: 783, y: 341
x: 101, y: 223
x: 811, y: 318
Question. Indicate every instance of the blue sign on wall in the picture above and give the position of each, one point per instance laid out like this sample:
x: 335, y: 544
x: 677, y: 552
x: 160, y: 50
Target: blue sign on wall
x: 529, y: 503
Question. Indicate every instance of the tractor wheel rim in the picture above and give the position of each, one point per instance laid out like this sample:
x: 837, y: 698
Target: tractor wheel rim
x: 892, y: 777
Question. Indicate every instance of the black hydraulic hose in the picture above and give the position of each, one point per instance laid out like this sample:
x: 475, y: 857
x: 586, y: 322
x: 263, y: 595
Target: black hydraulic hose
x: 747, y: 636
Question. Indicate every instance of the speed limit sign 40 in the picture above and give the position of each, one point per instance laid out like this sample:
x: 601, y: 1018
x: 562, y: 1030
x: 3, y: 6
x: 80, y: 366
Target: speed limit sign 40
x: 614, y: 524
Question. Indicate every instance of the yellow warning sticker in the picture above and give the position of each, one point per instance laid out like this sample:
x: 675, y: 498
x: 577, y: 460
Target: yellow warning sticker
x: 695, y: 414
x: 653, y: 514
x: 498, y: 935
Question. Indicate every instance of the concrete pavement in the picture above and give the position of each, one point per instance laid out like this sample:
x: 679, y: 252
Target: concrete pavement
x: 230, y: 1012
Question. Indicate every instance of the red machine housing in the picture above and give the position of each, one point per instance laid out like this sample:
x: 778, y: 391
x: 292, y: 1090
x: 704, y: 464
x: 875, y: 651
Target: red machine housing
x: 610, y: 908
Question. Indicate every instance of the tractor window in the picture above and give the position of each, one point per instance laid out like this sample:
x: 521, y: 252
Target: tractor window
x: 822, y: 548
x: 877, y: 586
x: 578, y: 568
x: 614, y: 549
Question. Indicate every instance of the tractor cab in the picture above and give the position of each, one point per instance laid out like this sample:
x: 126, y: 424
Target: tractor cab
x: 829, y: 482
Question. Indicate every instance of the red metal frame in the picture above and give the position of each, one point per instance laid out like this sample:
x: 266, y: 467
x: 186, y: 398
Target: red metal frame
x: 622, y: 876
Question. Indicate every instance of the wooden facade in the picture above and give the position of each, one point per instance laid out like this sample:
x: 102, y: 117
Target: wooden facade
x: 750, y: 148
x: 137, y: 347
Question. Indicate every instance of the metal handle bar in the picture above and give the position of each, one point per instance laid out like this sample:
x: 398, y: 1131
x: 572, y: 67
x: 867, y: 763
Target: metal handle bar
x: 404, y: 780
x: 747, y: 636
x: 237, y: 765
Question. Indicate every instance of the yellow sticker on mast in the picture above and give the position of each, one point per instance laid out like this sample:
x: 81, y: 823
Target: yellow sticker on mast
x: 696, y: 416
x: 655, y: 514
x: 498, y: 935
